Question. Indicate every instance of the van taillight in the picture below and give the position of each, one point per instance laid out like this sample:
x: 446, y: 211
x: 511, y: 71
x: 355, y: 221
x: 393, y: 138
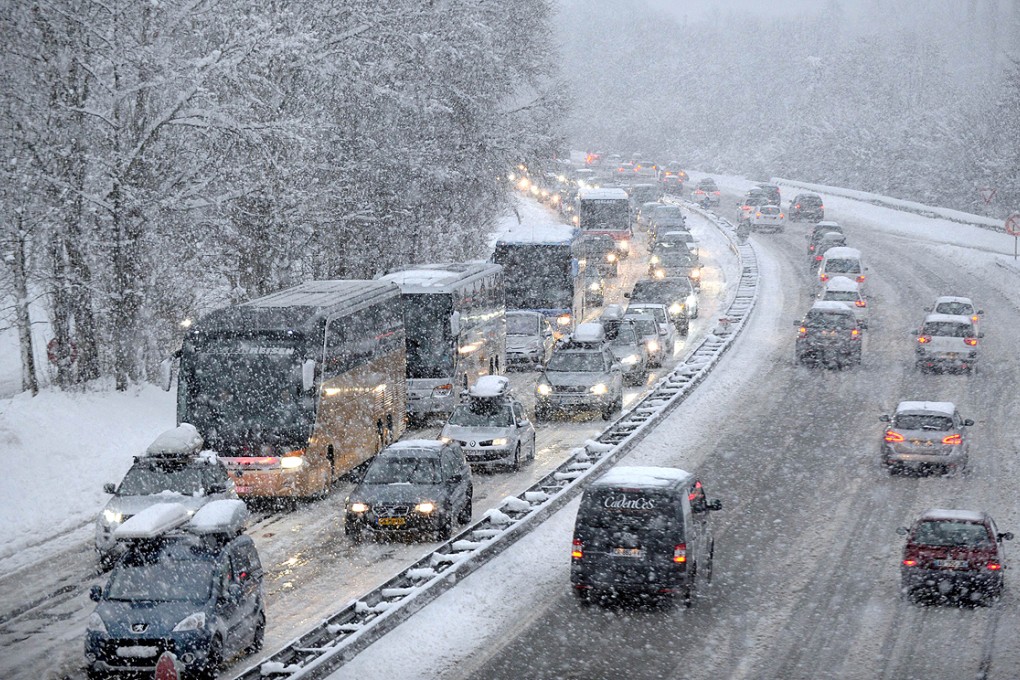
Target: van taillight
x: 953, y: 439
x: 894, y: 436
x: 970, y: 341
x: 824, y: 277
x: 924, y: 339
x: 909, y: 563
x: 578, y: 550
x: 861, y: 303
x: 994, y: 566
x: 680, y: 553
x: 802, y: 331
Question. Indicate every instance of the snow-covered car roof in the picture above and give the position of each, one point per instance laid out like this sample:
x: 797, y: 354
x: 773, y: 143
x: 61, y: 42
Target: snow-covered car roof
x: 613, y: 312
x: 827, y: 223
x: 831, y: 306
x: 676, y: 234
x: 588, y: 332
x: 183, y: 440
x: 842, y: 283
x: 602, y: 193
x: 842, y: 251
x: 833, y: 236
x: 412, y: 445
x: 948, y: 318
x: 642, y: 477
x: 953, y: 298
x: 959, y: 515
x: 489, y: 386
x: 941, y: 407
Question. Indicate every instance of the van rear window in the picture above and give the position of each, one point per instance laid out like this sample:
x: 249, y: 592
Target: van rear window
x: 614, y: 512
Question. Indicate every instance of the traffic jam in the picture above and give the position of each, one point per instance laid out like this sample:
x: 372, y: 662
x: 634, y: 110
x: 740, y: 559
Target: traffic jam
x: 405, y: 406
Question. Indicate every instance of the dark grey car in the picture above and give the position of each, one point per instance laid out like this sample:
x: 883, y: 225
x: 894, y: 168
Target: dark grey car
x: 413, y: 487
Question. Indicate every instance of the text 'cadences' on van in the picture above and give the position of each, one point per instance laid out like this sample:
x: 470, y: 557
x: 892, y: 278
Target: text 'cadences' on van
x: 644, y: 532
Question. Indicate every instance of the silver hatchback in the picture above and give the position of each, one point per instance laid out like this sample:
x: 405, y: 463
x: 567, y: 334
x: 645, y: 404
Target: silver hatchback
x: 924, y: 435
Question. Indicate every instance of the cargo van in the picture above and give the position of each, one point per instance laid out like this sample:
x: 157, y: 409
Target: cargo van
x: 642, y: 531
x: 842, y: 261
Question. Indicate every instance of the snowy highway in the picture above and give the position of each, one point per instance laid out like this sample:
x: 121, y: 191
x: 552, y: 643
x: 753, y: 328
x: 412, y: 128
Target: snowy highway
x: 806, y: 581
x: 313, y: 569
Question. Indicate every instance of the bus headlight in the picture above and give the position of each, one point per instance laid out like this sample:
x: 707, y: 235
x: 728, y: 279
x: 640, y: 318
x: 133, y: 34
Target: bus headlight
x: 425, y: 507
x: 544, y: 389
x: 563, y: 320
x: 359, y: 508
x: 659, y: 274
x: 630, y: 360
x: 599, y: 389
x: 676, y: 309
x: 610, y: 257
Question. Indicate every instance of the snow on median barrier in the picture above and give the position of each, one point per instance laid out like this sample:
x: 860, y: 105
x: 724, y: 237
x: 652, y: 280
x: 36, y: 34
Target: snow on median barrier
x: 338, y: 639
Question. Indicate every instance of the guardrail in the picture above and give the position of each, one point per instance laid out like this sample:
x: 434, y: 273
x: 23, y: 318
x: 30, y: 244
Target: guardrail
x: 328, y: 646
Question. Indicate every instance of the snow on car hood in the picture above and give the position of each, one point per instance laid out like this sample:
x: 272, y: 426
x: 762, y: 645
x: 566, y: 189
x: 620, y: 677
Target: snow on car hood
x: 521, y: 342
x: 568, y: 379
x: 132, y: 505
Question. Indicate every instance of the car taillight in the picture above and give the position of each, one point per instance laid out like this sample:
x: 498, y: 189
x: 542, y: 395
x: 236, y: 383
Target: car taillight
x: 909, y: 563
x: 715, y: 193
x: 818, y: 258
x: 974, y: 318
x: 893, y: 436
x: 757, y: 214
x: 811, y: 248
x: 781, y: 215
x: 577, y: 552
x: 953, y: 439
x: 861, y: 303
x: 797, y: 206
x: 680, y: 553
x: 970, y: 341
x: 824, y: 277
x: 802, y: 331
x: 854, y: 333
x: 923, y: 339
x: 860, y: 279
x: 994, y: 566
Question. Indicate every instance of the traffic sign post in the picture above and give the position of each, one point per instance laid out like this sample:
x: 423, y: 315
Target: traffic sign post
x: 1013, y: 229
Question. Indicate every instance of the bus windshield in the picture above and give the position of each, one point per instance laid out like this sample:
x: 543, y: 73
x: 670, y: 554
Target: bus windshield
x: 237, y: 387
x: 537, y: 276
x: 604, y: 214
x: 430, y: 346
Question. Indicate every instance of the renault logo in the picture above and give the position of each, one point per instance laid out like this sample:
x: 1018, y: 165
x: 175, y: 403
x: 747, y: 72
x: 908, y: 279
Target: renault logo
x: 471, y: 443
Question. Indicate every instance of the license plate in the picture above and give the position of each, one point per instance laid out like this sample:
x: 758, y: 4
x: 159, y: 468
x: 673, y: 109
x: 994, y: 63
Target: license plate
x: 391, y: 521
x: 628, y: 552
x: 950, y: 564
x: 951, y: 355
x: 921, y: 442
x: 242, y: 489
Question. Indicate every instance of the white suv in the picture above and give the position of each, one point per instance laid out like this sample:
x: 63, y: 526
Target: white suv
x: 947, y: 341
x: 667, y: 330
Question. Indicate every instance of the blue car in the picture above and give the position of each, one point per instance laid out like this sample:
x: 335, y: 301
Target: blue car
x: 190, y: 585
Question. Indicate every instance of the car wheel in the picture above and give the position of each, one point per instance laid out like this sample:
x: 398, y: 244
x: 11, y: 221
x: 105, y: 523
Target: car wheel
x: 516, y: 464
x: 607, y: 412
x: 465, y: 514
x: 353, y: 531
x: 541, y: 414
x: 445, y: 529
x: 583, y: 596
x: 259, y: 635
x: 684, y: 329
x: 213, y: 660
x: 711, y: 562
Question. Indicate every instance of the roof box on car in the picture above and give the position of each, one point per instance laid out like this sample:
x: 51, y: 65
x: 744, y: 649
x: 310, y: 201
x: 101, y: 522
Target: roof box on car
x: 183, y: 440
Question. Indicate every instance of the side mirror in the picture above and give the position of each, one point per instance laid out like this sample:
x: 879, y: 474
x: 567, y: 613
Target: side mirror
x: 166, y: 373
x: 884, y: 418
x: 902, y: 531
x: 96, y: 592
x: 308, y: 375
x: 110, y: 488
x: 981, y: 334
x: 980, y: 312
x: 1007, y: 536
x: 627, y: 295
x: 968, y: 422
x: 927, y: 309
x: 913, y: 333
x: 715, y: 504
x: 456, y: 477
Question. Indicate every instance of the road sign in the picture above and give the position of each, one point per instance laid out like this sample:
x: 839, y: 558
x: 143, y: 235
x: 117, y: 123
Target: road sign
x: 1013, y: 224
x: 987, y: 193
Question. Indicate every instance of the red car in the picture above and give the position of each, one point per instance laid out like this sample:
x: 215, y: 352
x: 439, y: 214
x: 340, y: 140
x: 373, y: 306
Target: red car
x: 953, y: 553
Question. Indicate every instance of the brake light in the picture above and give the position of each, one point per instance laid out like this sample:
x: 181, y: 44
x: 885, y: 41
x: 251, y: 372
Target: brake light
x: 802, y: 331
x: 781, y: 216
x: 578, y: 550
x: 923, y: 339
x: 680, y: 553
x: 854, y: 333
x: 860, y: 278
x: 757, y: 214
x: 972, y: 342
x: 811, y: 248
x: 797, y: 206
x: 994, y: 566
x: 715, y: 193
x: 953, y: 439
x: 861, y: 303
x: 909, y: 563
x: 824, y: 277
x: 893, y: 436
x: 821, y: 207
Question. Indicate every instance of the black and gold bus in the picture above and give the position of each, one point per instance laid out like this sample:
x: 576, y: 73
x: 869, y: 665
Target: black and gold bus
x: 296, y: 388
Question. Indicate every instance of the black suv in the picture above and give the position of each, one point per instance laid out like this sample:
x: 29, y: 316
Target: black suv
x: 187, y: 584
x: 829, y: 335
x: 771, y: 192
x: 807, y: 207
x: 412, y: 487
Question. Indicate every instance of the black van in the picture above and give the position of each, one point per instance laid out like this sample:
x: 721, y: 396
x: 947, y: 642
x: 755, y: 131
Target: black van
x: 642, y: 531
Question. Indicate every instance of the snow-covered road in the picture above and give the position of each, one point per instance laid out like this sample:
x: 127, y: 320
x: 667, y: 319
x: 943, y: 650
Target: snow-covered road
x: 806, y: 576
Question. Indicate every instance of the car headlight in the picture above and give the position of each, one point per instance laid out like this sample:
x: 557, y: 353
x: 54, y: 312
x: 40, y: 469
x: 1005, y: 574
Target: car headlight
x: 676, y: 309
x: 594, y: 287
x: 659, y: 273
x: 695, y: 273
x: 600, y: 388
x: 500, y: 441
x: 653, y: 345
x: 654, y: 259
x: 630, y: 360
x: 194, y: 622
x: 292, y: 462
x: 563, y: 320
x: 425, y: 507
x: 359, y: 507
x: 445, y: 440
x: 610, y: 257
x: 96, y: 624
x: 544, y: 389
x: 623, y: 245
x: 112, y: 516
